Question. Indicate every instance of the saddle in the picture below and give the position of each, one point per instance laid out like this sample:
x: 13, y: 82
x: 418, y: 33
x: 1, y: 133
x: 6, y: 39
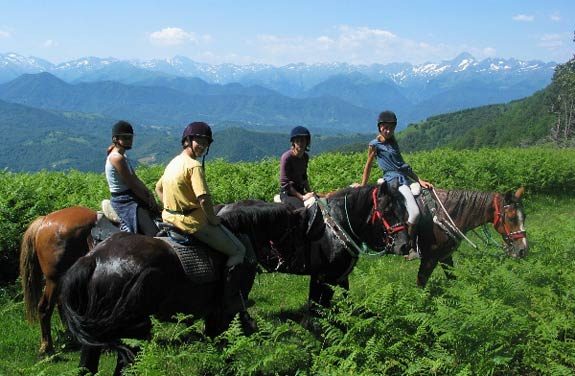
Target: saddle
x: 201, y: 264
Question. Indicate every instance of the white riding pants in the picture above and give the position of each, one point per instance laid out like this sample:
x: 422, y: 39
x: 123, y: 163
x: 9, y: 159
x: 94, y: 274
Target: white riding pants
x: 410, y: 205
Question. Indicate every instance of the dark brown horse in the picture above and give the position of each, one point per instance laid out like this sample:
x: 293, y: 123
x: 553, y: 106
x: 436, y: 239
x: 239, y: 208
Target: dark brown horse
x: 111, y: 292
x: 350, y: 217
x: 469, y: 210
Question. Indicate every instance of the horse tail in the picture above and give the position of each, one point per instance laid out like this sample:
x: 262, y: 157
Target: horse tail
x: 30, y: 271
x: 98, y: 311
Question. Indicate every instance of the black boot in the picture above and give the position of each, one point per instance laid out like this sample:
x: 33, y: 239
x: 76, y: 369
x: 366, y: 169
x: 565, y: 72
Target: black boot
x: 413, y: 253
x: 232, y: 301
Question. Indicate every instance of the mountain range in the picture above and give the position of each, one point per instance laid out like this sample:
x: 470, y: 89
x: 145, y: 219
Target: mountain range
x: 351, y: 95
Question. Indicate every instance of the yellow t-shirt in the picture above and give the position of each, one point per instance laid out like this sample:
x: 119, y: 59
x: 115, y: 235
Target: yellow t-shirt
x: 183, y: 182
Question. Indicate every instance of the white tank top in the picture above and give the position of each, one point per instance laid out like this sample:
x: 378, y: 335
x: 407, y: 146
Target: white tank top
x: 115, y: 182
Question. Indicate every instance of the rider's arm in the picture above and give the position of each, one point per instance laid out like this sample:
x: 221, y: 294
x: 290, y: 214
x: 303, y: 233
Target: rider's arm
x: 160, y: 190
x: 368, y: 164
x: 208, y: 208
x: 132, y: 181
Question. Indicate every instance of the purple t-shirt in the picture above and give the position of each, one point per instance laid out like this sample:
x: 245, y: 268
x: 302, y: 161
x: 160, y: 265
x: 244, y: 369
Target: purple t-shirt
x: 293, y: 171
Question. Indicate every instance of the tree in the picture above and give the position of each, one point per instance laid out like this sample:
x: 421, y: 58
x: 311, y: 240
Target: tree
x: 563, y: 104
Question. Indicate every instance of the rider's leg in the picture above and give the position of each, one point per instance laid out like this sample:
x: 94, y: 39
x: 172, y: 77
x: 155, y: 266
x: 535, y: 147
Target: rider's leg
x: 221, y: 239
x: 412, y: 219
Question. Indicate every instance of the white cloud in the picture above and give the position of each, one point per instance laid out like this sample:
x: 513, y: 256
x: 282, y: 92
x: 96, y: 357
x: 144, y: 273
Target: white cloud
x: 552, y: 41
x: 173, y: 36
x: 50, y: 43
x: 5, y: 34
x: 523, y: 18
x: 555, y: 17
x: 354, y: 45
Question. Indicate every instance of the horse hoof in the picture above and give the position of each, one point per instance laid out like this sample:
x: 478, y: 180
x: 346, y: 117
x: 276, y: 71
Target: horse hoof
x: 249, y: 325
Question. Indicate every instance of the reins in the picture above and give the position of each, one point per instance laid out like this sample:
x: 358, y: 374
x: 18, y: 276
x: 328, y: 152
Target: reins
x: 376, y: 214
x: 451, y: 223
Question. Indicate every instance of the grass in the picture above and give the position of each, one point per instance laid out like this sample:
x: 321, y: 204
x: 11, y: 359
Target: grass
x: 500, y: 316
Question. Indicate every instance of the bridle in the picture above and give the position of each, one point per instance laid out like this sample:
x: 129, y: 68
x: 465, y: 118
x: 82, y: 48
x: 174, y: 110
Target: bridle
x: 377, y: 215
x: 499, y: 220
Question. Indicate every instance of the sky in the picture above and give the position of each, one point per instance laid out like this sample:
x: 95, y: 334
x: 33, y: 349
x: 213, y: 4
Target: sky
x: 281, y: 32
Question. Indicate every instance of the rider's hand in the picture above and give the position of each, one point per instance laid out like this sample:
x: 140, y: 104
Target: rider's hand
x: 308, y: 195
x: 425, y: 184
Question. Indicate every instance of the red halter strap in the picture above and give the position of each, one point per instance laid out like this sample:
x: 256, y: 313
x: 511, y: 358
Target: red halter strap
x: 498, y: 220
x: 377, y: 215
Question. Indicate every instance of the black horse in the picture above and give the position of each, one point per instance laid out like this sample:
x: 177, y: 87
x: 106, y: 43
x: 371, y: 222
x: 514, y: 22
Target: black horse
x: 327, y: 247
x: 111, y: 292
x: 468, y: 210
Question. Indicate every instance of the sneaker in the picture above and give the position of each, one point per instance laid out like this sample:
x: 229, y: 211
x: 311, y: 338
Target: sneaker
x: 412, y: 255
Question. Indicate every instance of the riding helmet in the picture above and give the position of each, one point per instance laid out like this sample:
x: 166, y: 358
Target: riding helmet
x: 300, y: 131
x: 197, y: 129
x: 387, y: 117
x: 122, y: 128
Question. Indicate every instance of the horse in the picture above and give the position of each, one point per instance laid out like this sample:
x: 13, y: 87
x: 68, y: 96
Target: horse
x: 111, y: 292
x: 372, y: 215
x: 468, y: 209
x: 52, y: 243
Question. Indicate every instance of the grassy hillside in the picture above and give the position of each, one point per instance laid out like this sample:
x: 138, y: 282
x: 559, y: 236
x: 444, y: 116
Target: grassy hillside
x: 500, y: 317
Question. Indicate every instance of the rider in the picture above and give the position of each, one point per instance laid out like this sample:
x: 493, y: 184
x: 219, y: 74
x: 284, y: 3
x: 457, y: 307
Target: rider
x: 385, y: 149
x: 188, y: 204
x: 294, y: 183
x: 131, y: 199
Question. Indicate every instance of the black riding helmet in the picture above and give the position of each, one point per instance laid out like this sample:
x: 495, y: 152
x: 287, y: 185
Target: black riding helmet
x: 387, y: 117
x: 300, y: 131
x: 122, y: 128
x: 197, y: 129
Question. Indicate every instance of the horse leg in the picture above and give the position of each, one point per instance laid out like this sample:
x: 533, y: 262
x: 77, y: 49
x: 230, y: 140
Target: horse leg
x: 126, y: 356
x: 319, y: 292
x: 45, y: 309
x: 425, y: 269
x: 89, y: 359
x: 447, y: 265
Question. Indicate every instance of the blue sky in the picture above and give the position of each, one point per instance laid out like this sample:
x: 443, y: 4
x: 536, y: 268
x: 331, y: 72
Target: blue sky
x: 283, y: 32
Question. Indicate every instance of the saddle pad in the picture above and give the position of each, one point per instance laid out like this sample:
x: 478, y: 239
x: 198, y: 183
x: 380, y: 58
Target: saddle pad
x: 196, y: 261
x: 103, y: 228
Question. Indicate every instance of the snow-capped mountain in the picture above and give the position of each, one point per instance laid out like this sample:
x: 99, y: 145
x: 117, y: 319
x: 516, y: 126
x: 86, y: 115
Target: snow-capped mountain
x: 416, y: 91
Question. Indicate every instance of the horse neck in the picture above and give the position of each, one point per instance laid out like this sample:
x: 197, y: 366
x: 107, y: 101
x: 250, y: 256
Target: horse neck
x: 468, y: 209
x: 351, y: 208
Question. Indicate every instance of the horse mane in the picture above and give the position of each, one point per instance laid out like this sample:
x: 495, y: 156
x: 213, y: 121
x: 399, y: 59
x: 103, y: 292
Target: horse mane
x: 352, y: 191
x: 263, y: 214
x: 458, y: 202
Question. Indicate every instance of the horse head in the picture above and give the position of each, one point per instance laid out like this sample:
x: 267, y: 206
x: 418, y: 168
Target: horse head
x: 509, y: 221
x: 390, y: 213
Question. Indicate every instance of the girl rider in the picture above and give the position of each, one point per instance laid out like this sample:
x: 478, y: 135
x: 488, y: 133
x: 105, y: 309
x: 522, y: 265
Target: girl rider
x: 131, y: 199
x: 385, y: 149
x: 294, y: 183
x: 188, y: 204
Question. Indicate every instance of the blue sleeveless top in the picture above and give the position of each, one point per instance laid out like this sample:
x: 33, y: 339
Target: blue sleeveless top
x: 390, y: 161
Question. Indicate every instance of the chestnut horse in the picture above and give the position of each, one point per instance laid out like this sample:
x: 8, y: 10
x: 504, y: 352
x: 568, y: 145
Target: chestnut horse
x: 468, y: 210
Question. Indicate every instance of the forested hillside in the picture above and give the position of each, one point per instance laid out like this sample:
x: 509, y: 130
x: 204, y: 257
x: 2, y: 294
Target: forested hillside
x: 547, y: 117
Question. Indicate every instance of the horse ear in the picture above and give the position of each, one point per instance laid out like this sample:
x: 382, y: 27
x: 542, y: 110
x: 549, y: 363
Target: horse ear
x: 383, y: 189
x: 519, y: 193
x: 508, y: 197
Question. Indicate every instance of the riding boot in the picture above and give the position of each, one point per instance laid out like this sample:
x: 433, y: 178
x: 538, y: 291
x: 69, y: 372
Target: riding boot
x: 413, y: 253
x: 232, y: 301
